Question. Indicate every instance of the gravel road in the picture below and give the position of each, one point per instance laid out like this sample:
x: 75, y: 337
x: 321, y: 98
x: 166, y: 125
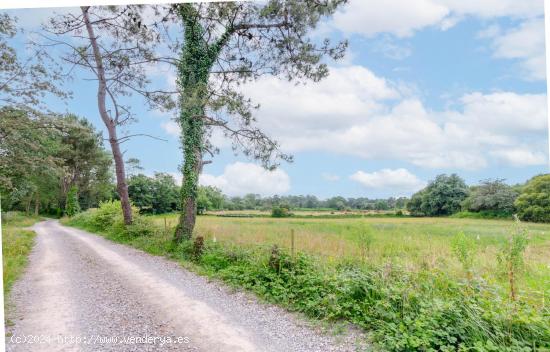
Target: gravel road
x: 81, y: 292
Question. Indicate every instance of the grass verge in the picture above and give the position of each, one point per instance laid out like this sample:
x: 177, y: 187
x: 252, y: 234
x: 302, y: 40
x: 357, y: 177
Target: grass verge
x: 17, y: 243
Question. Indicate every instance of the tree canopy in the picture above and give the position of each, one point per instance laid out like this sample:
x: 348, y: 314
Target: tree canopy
x: 493, y: 196
x: 43, y: 156
x: 533, y: 204
x: 25, y: 81
x: 442, y: 196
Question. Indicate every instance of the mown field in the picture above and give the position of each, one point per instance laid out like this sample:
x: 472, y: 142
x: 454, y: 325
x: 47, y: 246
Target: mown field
x: 411, y: 243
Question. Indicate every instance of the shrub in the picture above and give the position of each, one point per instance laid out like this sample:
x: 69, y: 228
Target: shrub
x: 533, y: 204
x: 108, y: 219
x: 139, y: 227
x: 198, y: 247
x: 464, y: 249
x: 108, y: 214
x: 72, y: 207
x: 511, y: 256
x: 280, y: 212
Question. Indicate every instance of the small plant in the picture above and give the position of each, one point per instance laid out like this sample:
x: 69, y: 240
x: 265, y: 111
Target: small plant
x: 275, y: 258
x: 511, y: 256
x: 463, y: 248
x: 198, y: 247
x: 366, y: 239
x: 72, y: 207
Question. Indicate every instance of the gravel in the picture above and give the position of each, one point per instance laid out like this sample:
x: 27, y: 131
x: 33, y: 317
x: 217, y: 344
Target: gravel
x: 81, y: 292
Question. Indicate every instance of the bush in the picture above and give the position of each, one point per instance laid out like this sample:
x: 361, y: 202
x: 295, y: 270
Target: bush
x: 108, y: 219
x: 139, y: 227
x: 72, y: 207
x: 280, y: 212
x: 533, y: 204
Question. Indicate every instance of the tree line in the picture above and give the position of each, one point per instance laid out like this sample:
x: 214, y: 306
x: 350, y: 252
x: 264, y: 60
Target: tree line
x: 446, y: 195
x: 449, y: 195
x: 159, y: 194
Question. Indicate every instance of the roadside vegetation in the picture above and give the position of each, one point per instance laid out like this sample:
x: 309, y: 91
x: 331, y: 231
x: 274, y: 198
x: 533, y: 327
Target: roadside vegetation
x: 415, y: 283
x: 17, y: 242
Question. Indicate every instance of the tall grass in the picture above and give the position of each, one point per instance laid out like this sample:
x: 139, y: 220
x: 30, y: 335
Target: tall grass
x: 412, y: 243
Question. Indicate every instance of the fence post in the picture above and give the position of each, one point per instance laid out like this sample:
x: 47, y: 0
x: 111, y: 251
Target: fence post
x: 165, y: 225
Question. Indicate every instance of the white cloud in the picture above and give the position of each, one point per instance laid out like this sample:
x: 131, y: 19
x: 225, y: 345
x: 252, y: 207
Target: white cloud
x: 171, y: 127
x: 495, y: 8
x: 403, y: 17
x: 526, y: 44
x: 341, y: 115
x: 520, y: 156
x: 505, y: 111
x: 330, y: 177
x: 342, y: 97
x: 397, y: 179
x: 398, y: 17
x: 242, y: 178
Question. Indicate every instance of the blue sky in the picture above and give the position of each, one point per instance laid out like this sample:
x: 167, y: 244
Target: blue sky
x: 427, y: 87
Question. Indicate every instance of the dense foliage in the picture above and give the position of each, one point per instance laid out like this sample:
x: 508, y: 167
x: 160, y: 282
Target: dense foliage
x: 157, y: 194
x: 533, y: 204
x: 491, y: 196
x: 209, y: 198
x: 108, y: 218
x: 442, y: 196
x: 71, y: 206
x: 43, y: 156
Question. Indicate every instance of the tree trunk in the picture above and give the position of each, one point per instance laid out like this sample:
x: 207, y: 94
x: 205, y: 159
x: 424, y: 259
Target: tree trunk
x: 197, y: 58
x: 37, y: 204
x: 122, y: 187
x: 188, y: 216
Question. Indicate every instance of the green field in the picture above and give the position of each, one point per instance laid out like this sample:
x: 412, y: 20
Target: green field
x: 411, y: 243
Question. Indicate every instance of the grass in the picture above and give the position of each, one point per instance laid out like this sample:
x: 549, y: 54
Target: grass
x: 412, y: 243
x: 17, y: 243
x: 398, y: 278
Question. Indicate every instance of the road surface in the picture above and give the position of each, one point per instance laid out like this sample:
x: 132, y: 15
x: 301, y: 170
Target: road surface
x: 81, y: 292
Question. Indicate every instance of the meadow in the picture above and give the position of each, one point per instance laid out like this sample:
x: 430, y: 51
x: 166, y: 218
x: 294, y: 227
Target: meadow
x: 411, y: 243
